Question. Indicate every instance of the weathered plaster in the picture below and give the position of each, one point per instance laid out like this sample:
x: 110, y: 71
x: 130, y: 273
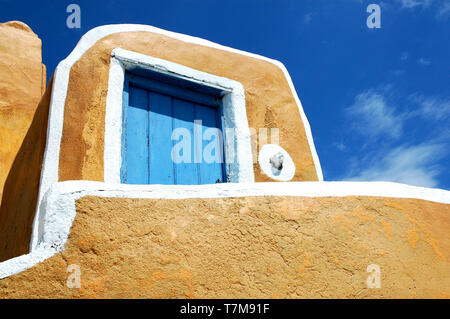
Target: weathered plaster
x: 22, y: 83
x: 277, y: 241
x: 20, y: 193
x: 59, y: 209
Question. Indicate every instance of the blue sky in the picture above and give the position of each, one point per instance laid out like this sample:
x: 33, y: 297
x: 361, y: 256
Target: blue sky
x: 378, y: 100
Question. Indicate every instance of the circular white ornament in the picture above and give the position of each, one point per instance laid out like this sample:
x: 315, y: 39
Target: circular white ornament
x: 276, y: 163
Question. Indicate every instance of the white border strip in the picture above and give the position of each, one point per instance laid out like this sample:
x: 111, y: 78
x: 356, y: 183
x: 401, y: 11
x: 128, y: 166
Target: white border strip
x: 59, y: 203
x: 50, y: 166
x: 238, y: 151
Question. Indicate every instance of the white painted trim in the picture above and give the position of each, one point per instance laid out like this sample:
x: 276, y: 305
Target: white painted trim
x: 50, y: 166
x: 266, y: 153
x: 112, y: 158
x: 239, y: 161
x: 59, y: 211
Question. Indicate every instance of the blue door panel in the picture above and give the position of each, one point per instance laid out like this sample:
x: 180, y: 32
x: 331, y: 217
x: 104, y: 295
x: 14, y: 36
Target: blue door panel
x: 160, y: 146
x: 211, y: 166
x: 156, y: 124
x: 185, y: 169
x: 136, y: 131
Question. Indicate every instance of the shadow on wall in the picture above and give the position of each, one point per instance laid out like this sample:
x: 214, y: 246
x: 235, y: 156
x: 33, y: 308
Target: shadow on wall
x: 21, y: 188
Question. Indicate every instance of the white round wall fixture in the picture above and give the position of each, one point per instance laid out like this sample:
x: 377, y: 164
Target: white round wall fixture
x: 276, y: 163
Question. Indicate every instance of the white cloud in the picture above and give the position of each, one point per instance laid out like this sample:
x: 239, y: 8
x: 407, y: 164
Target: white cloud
x: 391, y: 157
x: 414, y: 3
x: 398, y: 72
x: 373, y: 117
x: 307, y: 18
x: 424, y: 62
x: 404, y: 56
x: 340, y: 146
x: 413, y: 165
x: 441, y: 6
x: 431, y: 107
x: 444, y: 9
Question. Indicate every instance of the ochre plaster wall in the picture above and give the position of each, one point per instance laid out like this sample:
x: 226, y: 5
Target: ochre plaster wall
x: 21, y: 188
x: 269, y: 100
x: 22, y: 83
x: 255, y: 247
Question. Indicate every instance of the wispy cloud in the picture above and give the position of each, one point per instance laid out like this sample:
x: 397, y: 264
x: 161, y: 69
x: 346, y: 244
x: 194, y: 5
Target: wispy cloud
x: 424, y: 62
x: 307, y: 18
x: 386, y: 152
x: 414, y: 165
x: 340, y: 146
x: 442, y: 7
x: 414, y: 3
x: 373, y: 117
x: 431, y: 107
x: 398, y: 72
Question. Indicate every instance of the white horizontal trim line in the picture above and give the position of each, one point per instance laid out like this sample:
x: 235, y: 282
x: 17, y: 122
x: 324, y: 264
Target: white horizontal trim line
x: 303, y: 189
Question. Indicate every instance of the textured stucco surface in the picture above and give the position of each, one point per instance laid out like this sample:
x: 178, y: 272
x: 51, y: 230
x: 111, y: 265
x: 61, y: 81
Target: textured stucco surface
x: 269, y: 100
x: 264, y: 247
x: 20, y: 194
x: 22, y: 83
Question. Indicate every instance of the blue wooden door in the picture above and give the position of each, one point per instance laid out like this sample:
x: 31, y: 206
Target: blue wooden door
x: 169, y: 135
